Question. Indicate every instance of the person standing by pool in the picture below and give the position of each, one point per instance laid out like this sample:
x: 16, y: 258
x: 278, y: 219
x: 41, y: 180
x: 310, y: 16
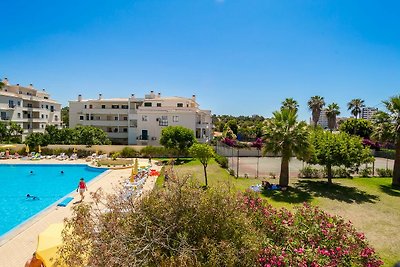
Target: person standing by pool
x: 82, y: 188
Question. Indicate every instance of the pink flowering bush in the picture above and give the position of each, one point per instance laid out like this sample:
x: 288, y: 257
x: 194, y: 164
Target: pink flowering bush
x: 308, y: 237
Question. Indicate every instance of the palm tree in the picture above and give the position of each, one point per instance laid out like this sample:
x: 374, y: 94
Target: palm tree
x: 290, y: 103
x: 393, y: 106
x: 331, y: 112
x: 355, y: 106
x: 286, y: 136
x: 315, y: 104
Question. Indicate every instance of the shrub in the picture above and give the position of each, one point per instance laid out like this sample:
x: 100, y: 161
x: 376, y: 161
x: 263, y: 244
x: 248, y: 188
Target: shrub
x: 164, y: 228
x: 341, y: 172
x: 382, y: 172
x: 156, y: 151
x: 171, y: 227
x: 366, y: 172
x: 221, y: 160
x: 128, y: 152
x: 308, y: 237
x: 231, y: 172
x: 309, y: 172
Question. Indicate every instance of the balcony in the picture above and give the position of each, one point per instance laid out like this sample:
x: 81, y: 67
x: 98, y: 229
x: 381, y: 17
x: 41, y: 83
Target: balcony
x: 110, y: 123
x: 107, y: 111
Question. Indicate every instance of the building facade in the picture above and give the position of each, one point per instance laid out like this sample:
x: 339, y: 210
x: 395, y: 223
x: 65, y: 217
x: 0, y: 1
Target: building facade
x: 323, y: 119
x: 139, y: 121
x: 368, y: 112
x: 32, y: 109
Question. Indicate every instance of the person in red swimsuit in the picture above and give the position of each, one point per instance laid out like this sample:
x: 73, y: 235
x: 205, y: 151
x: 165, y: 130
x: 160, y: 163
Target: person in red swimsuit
x: 82, y: 188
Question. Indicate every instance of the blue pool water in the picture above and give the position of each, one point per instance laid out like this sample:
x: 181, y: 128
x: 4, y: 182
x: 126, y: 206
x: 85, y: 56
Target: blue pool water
x: 46, y: 182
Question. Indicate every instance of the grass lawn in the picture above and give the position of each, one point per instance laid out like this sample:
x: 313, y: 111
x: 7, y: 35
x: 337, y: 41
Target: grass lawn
x: 369, y: 203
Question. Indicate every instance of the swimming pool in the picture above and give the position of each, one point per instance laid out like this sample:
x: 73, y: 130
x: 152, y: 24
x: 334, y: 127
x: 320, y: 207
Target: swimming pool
x: 47, y: 182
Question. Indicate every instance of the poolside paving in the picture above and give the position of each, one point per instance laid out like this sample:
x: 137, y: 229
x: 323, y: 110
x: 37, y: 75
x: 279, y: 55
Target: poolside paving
x: 17, y: 246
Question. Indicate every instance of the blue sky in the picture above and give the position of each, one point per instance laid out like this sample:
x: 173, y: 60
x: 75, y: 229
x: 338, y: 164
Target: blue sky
x: 239, y: 57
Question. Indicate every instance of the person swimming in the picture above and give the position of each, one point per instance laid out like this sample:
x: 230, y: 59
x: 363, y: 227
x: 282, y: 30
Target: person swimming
x: 28, y: 196
x: 62, y: 172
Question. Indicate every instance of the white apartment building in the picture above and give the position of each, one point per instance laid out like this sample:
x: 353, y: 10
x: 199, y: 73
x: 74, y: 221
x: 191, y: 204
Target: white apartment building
x: 139, y: 121
x: 32, y: 109
x: 368, y: 112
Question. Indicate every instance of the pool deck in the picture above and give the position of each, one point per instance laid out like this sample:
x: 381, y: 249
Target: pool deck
x: 17, y: 246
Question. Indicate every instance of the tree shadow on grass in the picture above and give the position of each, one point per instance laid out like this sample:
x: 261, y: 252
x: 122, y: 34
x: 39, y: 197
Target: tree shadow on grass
x: 336, y: 192
x: 390, y: 190
x: 291, y: 195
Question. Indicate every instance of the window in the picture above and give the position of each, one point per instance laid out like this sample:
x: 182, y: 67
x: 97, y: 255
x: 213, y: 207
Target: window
x: 52, y: 108
x: 175, y: 118
x: 80, y: 117
x: 42, y: 106
x: 124, y: 106
x: 85, y: 106
x: 47, y: 116
x: 115, y: 130
x: 19, y: 115
x: 19, y: 103
x: 109, y: 130
x: 144, y: 118
x: 55, y: 118
x: 158, y: 104
x: 147, y: 104
x: 11, y: 103
x: 116, y: 118
x: 42, y: 125
x: 115, y: 106
x: 125, y: 118
x: 90, y: 106
x: 125, y: 130
x: 20, y: 92
x: 87, y: 117
x: 163, y: 121
x: 43, y: 116
x: 103, y: 106
x: 46, y: 97
x: 133, y: 123
x: 47, y: 106
x: 29, y: 105
x: 91, y: 117
x: 179, y: 105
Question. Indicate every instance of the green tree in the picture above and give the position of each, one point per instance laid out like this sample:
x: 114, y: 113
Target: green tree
x: 360, y: 127
x: 65, y: 116
x: 3, y: 131
x: 69, y: 136
x: 290, y: 103
x: 315, y: 104
x: 331, y: 112
x: 90, y: 135
x: 355, y: 106
x: 337, y: 150
x: 1, y: 85
x: 36, y: 139
x: 177, y: 138
x: 389, y: 125
x: 15, y: 132
x: 54, y: 134
x: 286, y: 136
x: 233, y: 125
x: 383, y: 128
x: 203, y: 152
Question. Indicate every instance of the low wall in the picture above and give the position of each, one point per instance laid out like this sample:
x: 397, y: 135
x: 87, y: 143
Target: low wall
x: 104, y: 148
